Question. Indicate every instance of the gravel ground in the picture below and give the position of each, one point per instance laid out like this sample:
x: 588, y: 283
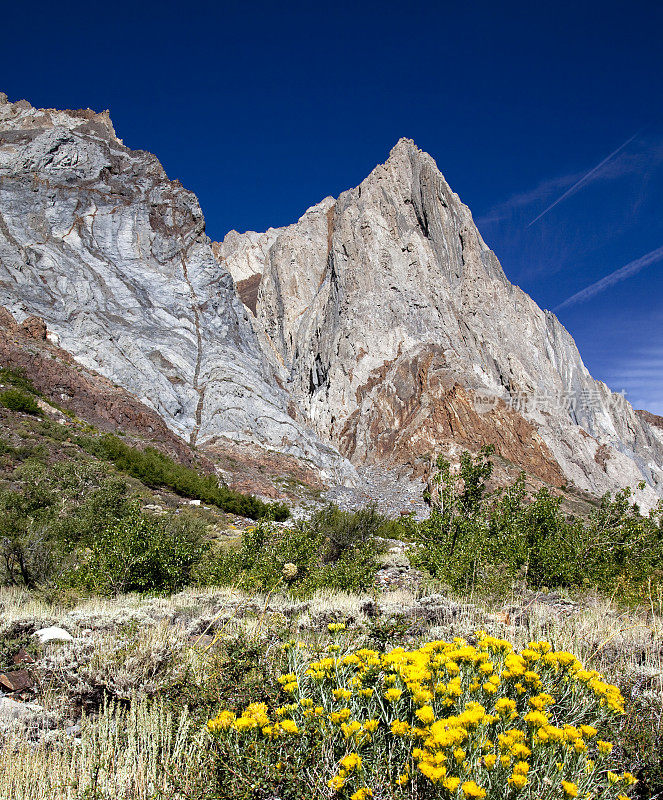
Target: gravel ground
x: 393, y: 492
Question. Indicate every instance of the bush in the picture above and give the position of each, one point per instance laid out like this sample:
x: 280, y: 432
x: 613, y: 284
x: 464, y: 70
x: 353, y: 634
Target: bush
x: 74, y: 526
x: 43, y: 522
x: 139, y: 553
x: 157, y: 470
x: 480, y: 539
x: 641, y: 740
x: 446, y: 720
x: 336, y: 550
x: 18, y: 379
x: 16, y: 400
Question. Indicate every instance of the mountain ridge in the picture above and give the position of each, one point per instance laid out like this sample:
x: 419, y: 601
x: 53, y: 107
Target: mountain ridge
x: 381, y: 329
x: 405, y: 249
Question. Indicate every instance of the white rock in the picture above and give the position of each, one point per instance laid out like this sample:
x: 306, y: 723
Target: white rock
x: 53, y: 634
x: 381, y: 303
x: 13, y: 710
x: 113, y: 256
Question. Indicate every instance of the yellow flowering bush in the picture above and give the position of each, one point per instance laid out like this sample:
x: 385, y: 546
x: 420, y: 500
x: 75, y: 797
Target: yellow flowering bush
x: 447, y: 720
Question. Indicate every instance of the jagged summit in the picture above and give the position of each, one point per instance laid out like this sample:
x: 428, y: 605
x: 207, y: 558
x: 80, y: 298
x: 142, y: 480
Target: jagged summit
x: 23, y: 115
x: 377, y: 329
x: 394, y: 319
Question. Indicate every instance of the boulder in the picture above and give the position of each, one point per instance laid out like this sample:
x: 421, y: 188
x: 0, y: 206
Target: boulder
x: 53, y: 634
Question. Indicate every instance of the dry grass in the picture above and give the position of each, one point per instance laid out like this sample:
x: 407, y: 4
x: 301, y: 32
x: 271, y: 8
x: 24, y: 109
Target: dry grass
x: 131, y: 647
x: 142, y: 754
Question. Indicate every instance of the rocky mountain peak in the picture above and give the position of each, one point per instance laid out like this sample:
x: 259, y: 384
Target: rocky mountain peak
x: 23, y: 115
x: 378, y: 329
x: 401, y: 335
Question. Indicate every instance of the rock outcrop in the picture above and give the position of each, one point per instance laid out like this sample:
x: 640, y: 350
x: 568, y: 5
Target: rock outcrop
x: 112, y: 255
x: 401, y: 336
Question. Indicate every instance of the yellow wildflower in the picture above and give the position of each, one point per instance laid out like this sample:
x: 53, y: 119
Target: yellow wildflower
x: 337, y: 782
x: 288, y: 726
x: 432, y: 772
x: 400, y: 728
x: 426, y: 715
x: 518, y: 781
x: 335, y: 627
x: 350, y: 728
x: 340, y: 716
x: 471, y: 789
x: 221, y: 722
x: 537, y: 719
x: 351, y: 761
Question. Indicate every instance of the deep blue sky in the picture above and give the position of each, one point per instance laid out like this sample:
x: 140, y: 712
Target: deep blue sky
x: 265, y: 108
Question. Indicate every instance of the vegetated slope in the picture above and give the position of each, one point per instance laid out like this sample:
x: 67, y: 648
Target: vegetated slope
x: 74, y: 414
x: 402, y: 336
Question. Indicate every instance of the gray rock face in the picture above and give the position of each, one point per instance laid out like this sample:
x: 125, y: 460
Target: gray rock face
x: 401, y: 334
x: 98, y: 242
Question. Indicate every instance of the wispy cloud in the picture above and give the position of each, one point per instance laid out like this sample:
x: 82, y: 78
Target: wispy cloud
x: 586, y: 178
x: 618, y: 275
x: 642, y: 374
x: 641, y: 160
x: 523, y: 200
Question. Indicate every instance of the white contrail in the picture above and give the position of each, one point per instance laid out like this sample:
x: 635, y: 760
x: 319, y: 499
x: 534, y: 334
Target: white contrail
x: 614, y: 277
x: 585, y: 177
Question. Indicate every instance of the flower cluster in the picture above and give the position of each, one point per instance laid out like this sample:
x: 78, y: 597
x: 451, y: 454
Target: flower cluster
x: 448, y: 719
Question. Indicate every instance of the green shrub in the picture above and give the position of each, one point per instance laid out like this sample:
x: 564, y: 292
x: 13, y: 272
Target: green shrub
x: 641, y: 743
x: 6, y: 449
x: 155, y: 469
x: 139, y: 553
x: 49, y: 514
x: 243, y: 670
x: 18, y: 379
x: 74, y: 526
x: 336, y: 550
x: 480, y: 539
x: 16, y: 400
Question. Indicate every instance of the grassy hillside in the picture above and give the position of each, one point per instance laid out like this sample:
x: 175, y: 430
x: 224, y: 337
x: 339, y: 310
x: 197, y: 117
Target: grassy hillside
x: 124, y: 706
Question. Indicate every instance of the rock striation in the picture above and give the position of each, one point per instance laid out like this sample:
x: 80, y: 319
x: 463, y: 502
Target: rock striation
x: 402, y: 336
x: 112, y: 255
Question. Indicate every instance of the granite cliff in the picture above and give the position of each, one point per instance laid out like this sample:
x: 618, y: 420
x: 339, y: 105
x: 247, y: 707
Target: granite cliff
x: 378, y: 329
x: 112, y: 255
